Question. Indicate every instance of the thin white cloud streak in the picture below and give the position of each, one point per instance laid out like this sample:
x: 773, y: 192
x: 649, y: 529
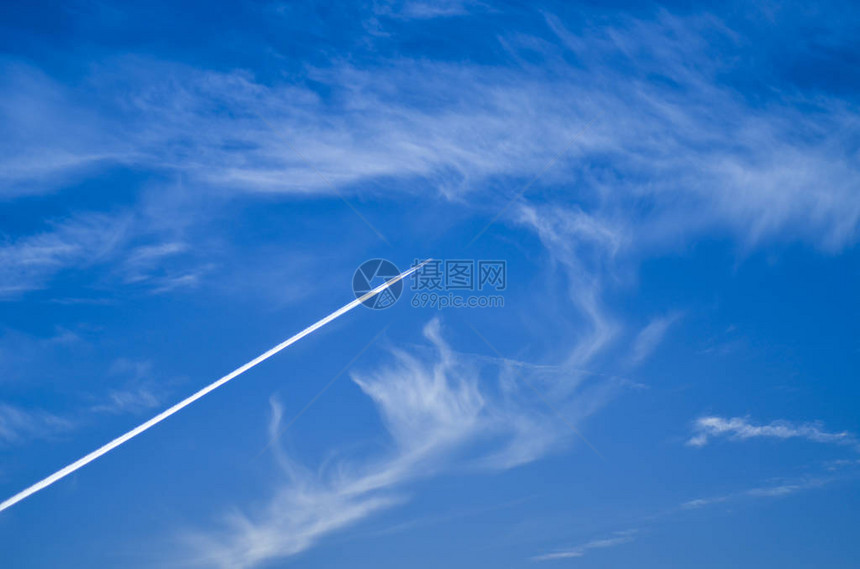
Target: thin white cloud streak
x: 651, y: 336
x: 775, y: 491
x: 740, y: 429
x: 80, y: 463
x: 619, y: 538
x: 442, y: 410
x: 783, y: 489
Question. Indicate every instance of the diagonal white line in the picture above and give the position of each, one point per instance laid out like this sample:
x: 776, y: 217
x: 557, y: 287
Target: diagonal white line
x: 80, y: 463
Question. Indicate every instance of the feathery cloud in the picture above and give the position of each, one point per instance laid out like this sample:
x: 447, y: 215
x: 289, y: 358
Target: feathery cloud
x: 438, y: 413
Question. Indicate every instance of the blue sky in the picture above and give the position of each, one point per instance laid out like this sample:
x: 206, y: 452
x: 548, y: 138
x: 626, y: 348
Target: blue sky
x: 671, y: 381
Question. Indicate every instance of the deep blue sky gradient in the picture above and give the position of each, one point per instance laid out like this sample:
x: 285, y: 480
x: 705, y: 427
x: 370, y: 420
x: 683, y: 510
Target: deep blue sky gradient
x: 692, y: 254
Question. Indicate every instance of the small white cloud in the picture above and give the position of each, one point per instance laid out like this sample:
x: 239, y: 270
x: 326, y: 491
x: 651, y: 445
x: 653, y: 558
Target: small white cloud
x: 782, y: 490
x: 740, y: 429
x: 133, y: 399
x: 702, y: 502
x: 618, y: 538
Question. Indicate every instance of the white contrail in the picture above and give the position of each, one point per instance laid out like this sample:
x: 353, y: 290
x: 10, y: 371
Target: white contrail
x: 211, y: 387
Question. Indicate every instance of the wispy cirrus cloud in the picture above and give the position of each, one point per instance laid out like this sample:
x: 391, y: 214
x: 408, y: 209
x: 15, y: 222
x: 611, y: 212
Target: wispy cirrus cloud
x: 124, y: 244
x: 132, y: 386
x: 29, y: 262
x: 776, y: 489
x: 618, y: 538
x: 137, y: 392
x: 584, y: 246
x: 740, y: 429
x: 428, y: 410
x: 673, y: 158
x: 304, y: 509
x: 438, y: 412
x: 779, y: 490
x: 676, y: 152
x: 19, y: 425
